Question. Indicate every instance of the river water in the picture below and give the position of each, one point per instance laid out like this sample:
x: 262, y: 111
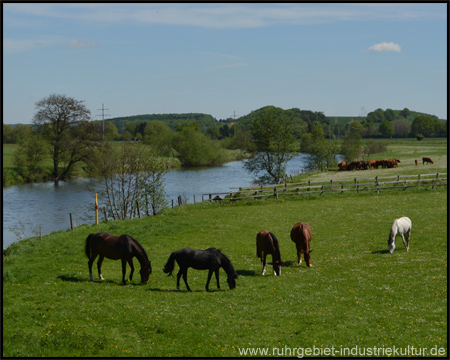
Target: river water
x: 28, y: 207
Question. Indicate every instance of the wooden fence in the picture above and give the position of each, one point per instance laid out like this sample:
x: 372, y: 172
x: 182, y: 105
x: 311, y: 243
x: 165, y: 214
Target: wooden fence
x: 379, y: 183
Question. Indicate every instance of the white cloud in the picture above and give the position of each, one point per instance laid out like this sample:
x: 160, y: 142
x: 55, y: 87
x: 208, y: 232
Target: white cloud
x: 76, y: 44
x: 384, y: 46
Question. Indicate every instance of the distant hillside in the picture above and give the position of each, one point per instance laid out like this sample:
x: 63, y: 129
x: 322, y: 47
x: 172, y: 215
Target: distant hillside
x: 302, y: 118
x: 171, y: 120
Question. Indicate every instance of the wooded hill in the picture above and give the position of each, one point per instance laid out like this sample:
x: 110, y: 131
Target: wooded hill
x: 301, y: 118
x: 172, y: 120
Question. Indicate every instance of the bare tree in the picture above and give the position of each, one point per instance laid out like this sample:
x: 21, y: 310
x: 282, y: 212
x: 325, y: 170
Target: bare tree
x: 129, y: 175
x: 64, y: 122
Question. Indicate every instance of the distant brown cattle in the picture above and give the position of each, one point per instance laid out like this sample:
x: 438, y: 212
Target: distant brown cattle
x: 371, y: 164
x: 416, y: 161
x: 426, y: 160
x: 354, y: 165
x: 301, y: 235
x: 342, y: 166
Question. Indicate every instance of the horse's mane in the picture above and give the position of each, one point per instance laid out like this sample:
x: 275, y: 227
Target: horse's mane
x: 227, y: 266
x: 275, y: 244
x: 139, y: 246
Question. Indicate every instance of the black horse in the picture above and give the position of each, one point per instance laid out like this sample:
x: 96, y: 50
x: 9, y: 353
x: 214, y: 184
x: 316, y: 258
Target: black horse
x: 210, y: 259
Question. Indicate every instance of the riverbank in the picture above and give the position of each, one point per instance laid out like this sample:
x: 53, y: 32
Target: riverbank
x: 355, y: 287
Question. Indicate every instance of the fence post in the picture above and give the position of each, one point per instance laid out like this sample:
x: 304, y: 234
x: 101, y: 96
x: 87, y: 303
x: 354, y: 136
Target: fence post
x: 40, y: 232
x: 432, y: 188
x: 179, y: 200
x: 342, y: 188
x: 275, y: 192
x: 231, y: 196
x: 309, y: 185
x: 321, y: 193
x: 437, y: 176
x: 331, y: 183
x: 105, y: 212
x: 71, y: 223
x: 172, y: 203
x: 357, y: 189
x: 195, y: 202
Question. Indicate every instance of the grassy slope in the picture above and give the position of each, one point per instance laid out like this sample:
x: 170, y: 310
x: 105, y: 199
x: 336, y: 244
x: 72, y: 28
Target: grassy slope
x: 356, y: 293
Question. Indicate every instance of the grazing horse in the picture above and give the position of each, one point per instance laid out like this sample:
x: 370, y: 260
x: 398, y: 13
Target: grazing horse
x: 427, y: 160
x: 301, y: 235
x: 210, y: 259
x: 400, y: 227
x: 416, y: 162
x: 267, y: 243
x: 117, y: 247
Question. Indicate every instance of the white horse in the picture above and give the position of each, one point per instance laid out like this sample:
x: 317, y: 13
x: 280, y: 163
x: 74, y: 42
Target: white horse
x: 400, y: 227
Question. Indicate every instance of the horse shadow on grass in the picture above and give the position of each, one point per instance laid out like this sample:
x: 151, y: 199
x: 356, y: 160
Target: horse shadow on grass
x: 77, y: 280
x: 380, y: 252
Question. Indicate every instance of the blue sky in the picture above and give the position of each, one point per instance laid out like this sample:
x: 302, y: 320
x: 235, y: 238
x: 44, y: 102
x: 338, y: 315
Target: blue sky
x: 221, y: 59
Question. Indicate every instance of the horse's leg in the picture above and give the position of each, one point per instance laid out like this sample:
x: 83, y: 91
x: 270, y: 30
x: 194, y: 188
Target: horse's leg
x: 405, y: 243
x: 124, y: 271
x: 263, y: 261
x: 408, y: 239
x: 299, y: 254
x: 178, y: 279
x: 217, y: 278
x: 130, y: 262
x: 185, y: 280
x: 99, y: 267
x: 90, y: 262
x: 210, y: 272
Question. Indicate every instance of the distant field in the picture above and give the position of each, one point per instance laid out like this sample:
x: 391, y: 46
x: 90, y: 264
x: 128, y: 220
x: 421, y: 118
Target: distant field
x: 357, y: 294
x: 406, y: 150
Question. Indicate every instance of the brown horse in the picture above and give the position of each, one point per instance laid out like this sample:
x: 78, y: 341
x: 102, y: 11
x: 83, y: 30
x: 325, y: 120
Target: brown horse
x: 117, y: 247
x: 301, y: 235
x: 267, y: 243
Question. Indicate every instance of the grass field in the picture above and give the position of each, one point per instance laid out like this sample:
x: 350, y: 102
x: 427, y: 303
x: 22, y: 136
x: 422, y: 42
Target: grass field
x: 357, y: 294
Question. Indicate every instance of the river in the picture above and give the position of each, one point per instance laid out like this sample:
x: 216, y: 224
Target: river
x: 27, y: 207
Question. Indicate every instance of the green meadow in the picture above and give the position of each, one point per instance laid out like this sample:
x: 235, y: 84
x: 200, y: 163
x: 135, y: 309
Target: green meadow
x: 357, y: 294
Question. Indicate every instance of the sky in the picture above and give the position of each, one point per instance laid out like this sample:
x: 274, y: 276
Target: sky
x: 225, y: 59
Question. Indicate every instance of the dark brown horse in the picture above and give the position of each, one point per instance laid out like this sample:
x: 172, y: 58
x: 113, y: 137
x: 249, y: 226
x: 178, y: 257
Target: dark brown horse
x: 267, y: 243
x: 301, y: 235
x: 117, y: 247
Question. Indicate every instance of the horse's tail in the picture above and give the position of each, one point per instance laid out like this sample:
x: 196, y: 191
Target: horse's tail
x: 170, y: 264
x: 87, y: 248
x: 276, y: 245
x: 258, y: 248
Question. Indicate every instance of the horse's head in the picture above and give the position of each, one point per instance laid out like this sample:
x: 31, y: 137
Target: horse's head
x: 391, y: 242
x: 391, y: 245
x: 145, y: 272
x: 231, y: 280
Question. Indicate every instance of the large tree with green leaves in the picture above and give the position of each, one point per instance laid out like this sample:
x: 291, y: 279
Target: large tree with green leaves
x: 273, y: 145
x: 64, y: 123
